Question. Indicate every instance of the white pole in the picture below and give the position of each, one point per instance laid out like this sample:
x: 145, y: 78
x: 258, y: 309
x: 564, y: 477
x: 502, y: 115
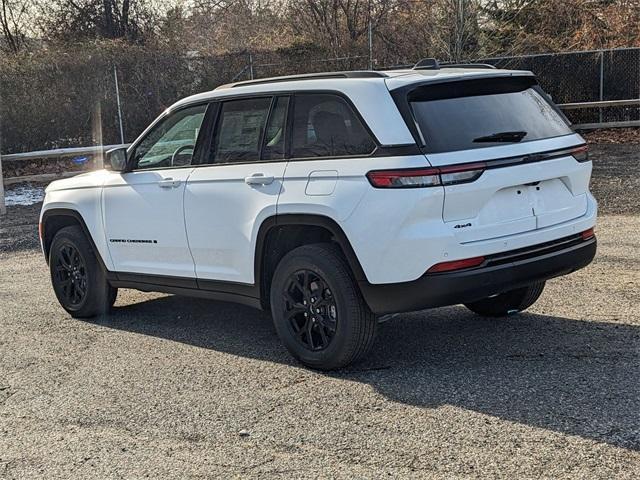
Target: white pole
x: 115, y: 75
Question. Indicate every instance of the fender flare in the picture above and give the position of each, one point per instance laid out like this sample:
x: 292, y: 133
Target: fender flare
x: 68, y: 212
x: 310, y: 220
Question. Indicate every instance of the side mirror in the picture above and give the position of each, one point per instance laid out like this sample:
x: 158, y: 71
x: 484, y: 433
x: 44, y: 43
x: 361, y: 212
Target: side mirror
x: 116, y: 159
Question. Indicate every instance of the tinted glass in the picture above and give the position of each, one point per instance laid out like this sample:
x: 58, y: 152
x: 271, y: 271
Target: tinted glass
x: 239, y: 130
x: 476, y: 114
x: 326, y: 126
x: 274, y: 139
x: 172, y: 141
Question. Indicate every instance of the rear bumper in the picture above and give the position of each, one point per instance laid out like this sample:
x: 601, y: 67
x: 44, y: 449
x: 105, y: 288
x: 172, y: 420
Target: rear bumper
x: 499, y: 273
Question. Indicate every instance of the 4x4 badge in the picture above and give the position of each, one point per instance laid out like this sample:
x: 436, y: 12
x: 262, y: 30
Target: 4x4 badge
x: 462, y: 225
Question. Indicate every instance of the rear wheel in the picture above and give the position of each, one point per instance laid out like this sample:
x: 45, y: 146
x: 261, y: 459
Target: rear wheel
x: 78, y: 280
x: 509, y: 302
x: 317, y: 308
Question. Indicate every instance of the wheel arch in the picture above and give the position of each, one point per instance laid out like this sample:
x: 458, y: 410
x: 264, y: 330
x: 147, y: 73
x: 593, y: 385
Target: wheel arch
x: 300, y: 229
x: 54, y: 219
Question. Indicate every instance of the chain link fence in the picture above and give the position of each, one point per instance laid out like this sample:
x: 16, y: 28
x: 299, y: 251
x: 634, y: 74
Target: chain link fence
x: 591, y: 76
x: 72, y: 102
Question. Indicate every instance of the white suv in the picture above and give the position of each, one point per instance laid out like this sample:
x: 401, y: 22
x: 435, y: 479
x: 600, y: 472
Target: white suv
x: 333, y: 199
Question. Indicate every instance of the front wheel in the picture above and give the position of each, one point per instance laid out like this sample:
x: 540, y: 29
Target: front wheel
x: 317, y: 309
x: 509, y: 302
x: 78, y: 280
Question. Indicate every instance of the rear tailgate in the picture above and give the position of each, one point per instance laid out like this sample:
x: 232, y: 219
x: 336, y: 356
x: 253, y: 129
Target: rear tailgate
x: 518, y: 146
x: 514, y: 194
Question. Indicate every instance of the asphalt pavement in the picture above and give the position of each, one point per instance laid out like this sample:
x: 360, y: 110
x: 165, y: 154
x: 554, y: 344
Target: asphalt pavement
x: 171, y: 387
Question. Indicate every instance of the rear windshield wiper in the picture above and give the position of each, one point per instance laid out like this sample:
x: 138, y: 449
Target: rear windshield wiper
x: 502, y: 137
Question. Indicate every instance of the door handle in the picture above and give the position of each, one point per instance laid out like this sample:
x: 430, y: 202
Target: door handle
x: 258, y: 179
x: 169, y: 183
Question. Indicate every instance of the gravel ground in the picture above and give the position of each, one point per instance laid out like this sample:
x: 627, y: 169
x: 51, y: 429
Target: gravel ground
x: 616, y: 178
x: 167, y: 387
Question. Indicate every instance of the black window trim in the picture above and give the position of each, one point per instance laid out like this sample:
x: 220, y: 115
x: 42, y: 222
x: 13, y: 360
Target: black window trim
x: 216, y: 120
x: 380, y: 150
x: 354, y: 111
x: 216, y: 104
x: 272, y: 106
x: 406, y: 149
x: 205, y: 136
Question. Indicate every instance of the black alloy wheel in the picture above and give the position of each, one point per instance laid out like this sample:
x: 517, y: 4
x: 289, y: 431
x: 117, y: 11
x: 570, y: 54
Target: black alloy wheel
x: 317, y: 309
x: 79, y: 280
x: 310, y: 309
x: 70, y: 275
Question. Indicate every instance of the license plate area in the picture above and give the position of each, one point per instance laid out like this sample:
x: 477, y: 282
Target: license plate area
x: 520, y: 209
x: 554, y: 203
x: 508, y: 211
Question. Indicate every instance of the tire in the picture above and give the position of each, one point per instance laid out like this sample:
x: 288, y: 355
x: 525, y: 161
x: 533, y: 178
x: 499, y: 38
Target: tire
x: 332, y: 331
x: 78, y: 280
x: 509, y: 302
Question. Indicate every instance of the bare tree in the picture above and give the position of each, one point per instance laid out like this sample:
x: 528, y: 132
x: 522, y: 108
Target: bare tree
x: 111, y: 19
x: 535, y: 26
x: 13, y: 14
x: 457, y: 29
x: 340, y: 26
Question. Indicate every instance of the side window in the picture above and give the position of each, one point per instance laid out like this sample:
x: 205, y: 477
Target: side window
x: 171, y: 143
x: 239, y: 131
x: 275, y: 139
x: 326, y: 126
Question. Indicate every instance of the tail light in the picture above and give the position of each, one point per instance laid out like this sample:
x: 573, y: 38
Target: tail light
x: 581, y: 154
x: 468, y: 172
x: 456, y: 265
x: 426, y: 177
x: 587, y: 234
x: 410, y: 178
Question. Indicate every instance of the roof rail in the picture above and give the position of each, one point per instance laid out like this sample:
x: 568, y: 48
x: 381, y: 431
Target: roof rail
x: 427, y: 64
x: 432, y: 64
x: 467, y: 65
x: 308, y: 76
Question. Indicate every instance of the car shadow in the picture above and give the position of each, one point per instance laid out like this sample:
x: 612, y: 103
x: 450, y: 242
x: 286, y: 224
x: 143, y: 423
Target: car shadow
x: 570, y: 376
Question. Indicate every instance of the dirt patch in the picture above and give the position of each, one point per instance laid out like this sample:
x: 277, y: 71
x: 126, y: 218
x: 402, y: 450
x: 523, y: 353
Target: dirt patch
x: 19, y: 228
x: 613, y: 135
x: 616, y: 178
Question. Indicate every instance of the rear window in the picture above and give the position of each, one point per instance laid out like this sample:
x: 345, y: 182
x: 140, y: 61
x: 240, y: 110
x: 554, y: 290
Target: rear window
x: 483, y: 113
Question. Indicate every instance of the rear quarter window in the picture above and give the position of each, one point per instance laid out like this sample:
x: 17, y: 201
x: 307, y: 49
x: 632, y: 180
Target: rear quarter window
x: 481, y: 113
x: 325, y: 125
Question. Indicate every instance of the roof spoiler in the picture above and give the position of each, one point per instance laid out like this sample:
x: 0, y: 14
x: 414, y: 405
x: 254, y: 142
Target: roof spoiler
x: 427, y: 64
